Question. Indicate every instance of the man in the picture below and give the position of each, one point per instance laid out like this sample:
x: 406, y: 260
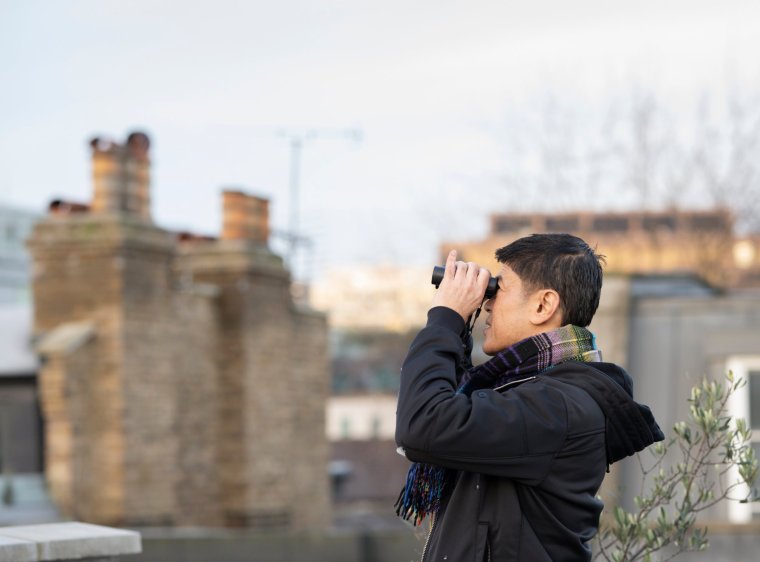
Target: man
x: 509, y: 455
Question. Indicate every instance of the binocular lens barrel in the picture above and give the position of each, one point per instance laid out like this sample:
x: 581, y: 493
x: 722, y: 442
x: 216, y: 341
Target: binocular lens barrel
x: 493, y: 283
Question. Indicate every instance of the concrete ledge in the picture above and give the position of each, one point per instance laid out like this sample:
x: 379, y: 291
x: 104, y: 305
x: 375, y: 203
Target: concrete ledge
x: 15, y: 550
x: 65, y: 541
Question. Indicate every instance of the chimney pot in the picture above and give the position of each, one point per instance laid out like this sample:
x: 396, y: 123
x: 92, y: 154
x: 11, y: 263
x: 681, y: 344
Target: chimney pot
x: 121, y: 176
x: 246, y: 217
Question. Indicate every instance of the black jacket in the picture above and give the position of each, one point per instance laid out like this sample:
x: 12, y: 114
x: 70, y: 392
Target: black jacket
x: 531, y: 456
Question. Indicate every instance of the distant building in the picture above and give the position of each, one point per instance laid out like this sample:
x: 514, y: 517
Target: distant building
x: 180, y: 383
x: 367, y: 472
x: 20, y: 421
x: 678, y: 333
x: 367, y: 478
x: 374, y: 313
x: 15, y: 275
x: 378, y: 297
x: 670, y: 331
x: 361, y: 417
x: 640, y: 242
x: 21, y: 451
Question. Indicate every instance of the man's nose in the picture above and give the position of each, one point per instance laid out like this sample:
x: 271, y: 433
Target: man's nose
x: 488, y: 305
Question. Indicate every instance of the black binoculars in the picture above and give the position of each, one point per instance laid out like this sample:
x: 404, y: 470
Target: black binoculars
x: 493, y: 282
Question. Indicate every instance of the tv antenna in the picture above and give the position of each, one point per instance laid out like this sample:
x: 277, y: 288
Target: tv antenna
x: 297, y: 141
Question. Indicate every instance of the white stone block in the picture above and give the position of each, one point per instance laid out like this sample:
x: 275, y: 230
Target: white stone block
x: 60, y: 541
x: 16, y: 550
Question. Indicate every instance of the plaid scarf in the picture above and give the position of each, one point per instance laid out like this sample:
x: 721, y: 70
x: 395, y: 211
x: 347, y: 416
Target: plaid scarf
x: 425, y: 483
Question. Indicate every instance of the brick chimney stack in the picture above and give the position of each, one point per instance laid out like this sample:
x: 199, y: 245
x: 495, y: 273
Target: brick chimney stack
x: 121, y: 176
x: 246, y: 217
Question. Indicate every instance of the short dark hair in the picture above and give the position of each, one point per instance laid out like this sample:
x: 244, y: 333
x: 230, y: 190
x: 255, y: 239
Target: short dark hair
x: 561, y: 262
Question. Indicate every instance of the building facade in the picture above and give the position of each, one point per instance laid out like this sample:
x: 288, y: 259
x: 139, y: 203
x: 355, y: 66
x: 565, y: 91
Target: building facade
x: 640, y: 242
x: 180, y: 383
x: 15, y: 227
x: 378, y: 297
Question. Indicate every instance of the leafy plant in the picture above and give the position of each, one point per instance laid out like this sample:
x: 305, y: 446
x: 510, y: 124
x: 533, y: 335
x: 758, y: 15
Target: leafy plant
x: 714, y: 463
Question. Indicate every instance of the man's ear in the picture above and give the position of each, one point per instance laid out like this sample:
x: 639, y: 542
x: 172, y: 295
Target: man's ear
x: 546, y: 309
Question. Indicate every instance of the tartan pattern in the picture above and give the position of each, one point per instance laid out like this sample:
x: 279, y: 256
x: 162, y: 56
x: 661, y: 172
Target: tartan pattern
x: 532, y: 355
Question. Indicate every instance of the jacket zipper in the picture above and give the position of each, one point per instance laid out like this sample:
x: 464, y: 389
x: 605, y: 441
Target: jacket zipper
x: 430, y: 534
x: 512, y: 383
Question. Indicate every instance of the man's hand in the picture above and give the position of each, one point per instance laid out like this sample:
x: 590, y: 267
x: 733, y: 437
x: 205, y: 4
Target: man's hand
x: 463, y: 286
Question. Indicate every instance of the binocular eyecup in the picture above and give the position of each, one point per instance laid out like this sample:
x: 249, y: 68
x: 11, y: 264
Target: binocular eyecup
x: 493, y: 282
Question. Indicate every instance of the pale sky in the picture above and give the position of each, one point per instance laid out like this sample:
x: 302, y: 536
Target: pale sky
x: 432, y: 84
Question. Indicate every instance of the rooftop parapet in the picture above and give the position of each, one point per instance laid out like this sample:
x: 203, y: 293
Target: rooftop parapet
x: 66, y: 541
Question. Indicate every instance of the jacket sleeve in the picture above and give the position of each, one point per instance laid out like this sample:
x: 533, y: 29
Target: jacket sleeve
x: 514, y: 434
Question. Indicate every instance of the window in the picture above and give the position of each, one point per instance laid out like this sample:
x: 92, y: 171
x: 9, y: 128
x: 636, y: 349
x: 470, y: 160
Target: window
x: 375, y: 428
x: 505, y: 224
x: 345, y: 428
x: 562, y: 224
x: 610, y: 224
x: 659, y: 222
x: 745, y: 403
x: 712, y: 222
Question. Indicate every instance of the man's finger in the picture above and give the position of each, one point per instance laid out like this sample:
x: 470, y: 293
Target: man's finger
x: 484, y: 276
x: 472, y: 271
x: 451, y: 264
x: 461, y: 270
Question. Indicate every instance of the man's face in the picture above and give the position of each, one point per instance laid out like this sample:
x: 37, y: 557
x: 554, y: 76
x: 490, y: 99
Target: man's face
x: 508, y: 320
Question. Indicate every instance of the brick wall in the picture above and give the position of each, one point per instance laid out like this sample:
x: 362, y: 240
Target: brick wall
x: 198, y: 396
x: 76, y: 278
x: 273, y: 385
x: 309, y: 447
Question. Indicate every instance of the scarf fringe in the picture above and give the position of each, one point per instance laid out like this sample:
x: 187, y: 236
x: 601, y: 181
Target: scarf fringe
x: 422, y: 493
